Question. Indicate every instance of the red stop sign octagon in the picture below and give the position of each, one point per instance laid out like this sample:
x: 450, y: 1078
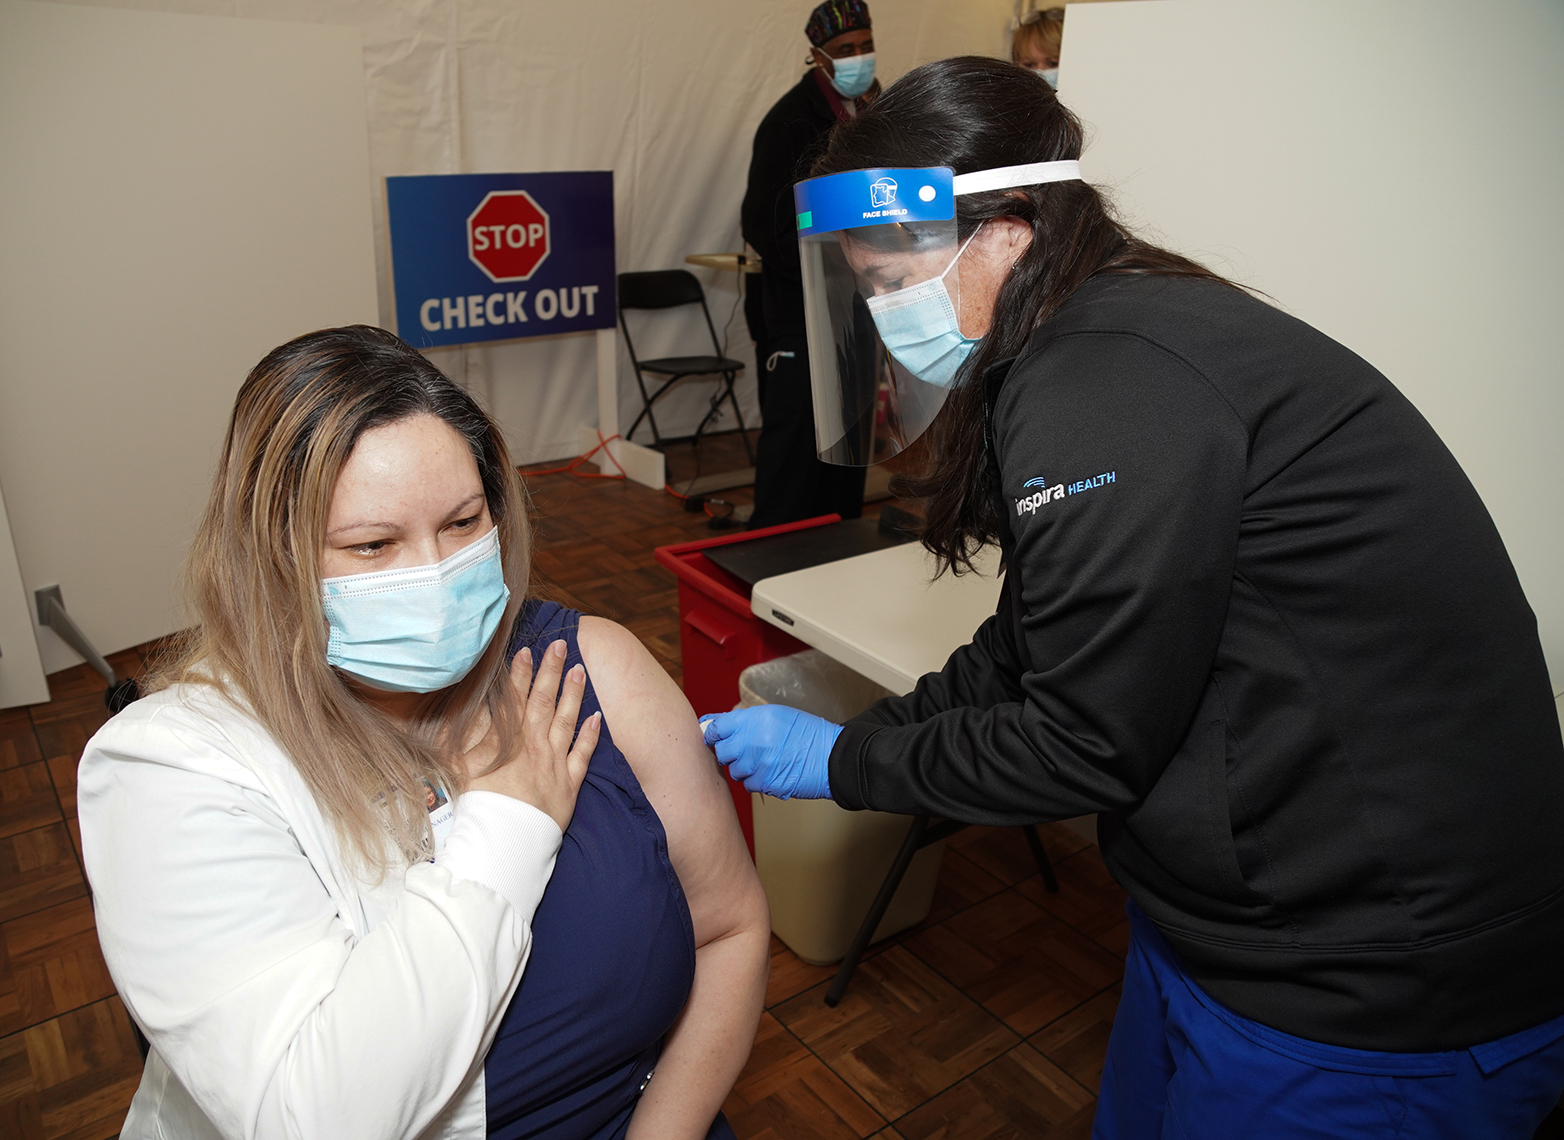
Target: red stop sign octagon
x: 507, y: 235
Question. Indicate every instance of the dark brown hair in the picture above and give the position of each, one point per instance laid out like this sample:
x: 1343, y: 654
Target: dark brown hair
x: 972, y: 113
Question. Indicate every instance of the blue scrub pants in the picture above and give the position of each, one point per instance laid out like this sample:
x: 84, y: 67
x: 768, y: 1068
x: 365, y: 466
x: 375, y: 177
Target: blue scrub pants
x: 1182, y: 1067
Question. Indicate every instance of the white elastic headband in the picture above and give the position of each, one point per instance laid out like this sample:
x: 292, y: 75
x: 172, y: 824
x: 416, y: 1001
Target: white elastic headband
x: 1008, y: 177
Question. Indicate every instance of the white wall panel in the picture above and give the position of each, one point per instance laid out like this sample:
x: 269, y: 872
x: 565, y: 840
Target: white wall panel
x: 177, y: 196
x: 1389, y: 172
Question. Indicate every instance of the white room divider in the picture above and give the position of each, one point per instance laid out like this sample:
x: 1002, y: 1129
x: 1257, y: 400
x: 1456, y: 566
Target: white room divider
x: 178, y: 194
x: 1389, y: 172
x: 21, y: 670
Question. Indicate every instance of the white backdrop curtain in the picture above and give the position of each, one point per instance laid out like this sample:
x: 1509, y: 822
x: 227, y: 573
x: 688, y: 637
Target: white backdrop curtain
x: 666, y: 94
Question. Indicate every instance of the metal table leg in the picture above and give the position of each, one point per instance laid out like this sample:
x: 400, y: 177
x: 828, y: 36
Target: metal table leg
x: 882, y: 902
x: 1035, y: 842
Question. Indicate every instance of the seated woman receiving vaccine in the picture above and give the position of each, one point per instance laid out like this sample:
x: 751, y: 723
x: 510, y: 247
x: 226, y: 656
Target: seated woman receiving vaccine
x: 391, y: 850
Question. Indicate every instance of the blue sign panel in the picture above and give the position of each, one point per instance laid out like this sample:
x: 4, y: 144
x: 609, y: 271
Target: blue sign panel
x: 874, y: 198
x: 479, y: 257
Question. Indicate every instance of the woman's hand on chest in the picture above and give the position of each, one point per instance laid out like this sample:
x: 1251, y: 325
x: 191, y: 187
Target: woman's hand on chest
x: 547, y: 758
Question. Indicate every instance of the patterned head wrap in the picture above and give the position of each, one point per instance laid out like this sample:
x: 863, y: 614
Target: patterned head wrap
x: 834, y: 17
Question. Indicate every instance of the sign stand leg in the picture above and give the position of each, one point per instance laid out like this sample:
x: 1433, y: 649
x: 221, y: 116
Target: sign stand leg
x: 640, y: 464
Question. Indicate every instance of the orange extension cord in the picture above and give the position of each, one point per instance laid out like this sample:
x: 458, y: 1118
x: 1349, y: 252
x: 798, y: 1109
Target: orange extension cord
x: 570, y: 468
x: 706, y: 504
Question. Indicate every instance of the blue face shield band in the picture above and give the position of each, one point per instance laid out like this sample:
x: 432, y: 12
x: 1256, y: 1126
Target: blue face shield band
x: 919, y: 326
x: 882, y: 296
x: 853, y: 75
x: 419, y: 628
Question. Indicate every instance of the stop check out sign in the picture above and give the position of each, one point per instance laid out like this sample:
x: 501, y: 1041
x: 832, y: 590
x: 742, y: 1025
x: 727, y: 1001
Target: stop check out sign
x: 507, y: 235
x: 481, y: 257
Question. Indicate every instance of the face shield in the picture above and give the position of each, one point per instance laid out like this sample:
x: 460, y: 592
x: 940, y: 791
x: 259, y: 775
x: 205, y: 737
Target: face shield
x: 882, y: 299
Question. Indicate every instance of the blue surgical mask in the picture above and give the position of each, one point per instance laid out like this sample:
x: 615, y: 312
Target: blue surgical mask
x: 919, y: 327
x: 1050, y: 76
x: 419, y: 628
x: 854, y: 75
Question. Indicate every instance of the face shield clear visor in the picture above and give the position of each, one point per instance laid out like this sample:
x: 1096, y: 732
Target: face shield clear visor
x: 881, y: 268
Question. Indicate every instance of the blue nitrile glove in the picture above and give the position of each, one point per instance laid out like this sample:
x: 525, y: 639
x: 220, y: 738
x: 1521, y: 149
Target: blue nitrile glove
x: 774, y: 749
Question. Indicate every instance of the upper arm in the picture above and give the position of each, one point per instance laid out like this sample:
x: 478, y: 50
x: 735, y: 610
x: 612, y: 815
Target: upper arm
x: 231, y: 952
x: 756, y: 211
x: 655, y: 728
x: 768, y: 218
x: 199, y: 887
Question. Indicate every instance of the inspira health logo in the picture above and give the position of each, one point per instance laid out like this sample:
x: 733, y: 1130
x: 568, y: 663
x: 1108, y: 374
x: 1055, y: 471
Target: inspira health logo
x: 1044, y: 494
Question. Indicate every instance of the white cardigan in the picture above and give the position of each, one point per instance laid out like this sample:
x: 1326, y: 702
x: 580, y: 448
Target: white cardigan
x: 284, y: 996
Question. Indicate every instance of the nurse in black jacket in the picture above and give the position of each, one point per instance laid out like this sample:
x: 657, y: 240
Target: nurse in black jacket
x: 1254, y: 615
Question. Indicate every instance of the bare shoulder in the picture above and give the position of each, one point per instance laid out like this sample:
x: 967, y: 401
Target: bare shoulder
x: 655, y: 728
x: 650, y: 720
x: 610, y: 645
x: 629, y: 682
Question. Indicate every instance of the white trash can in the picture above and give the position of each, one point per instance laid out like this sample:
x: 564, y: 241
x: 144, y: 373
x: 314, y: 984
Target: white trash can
x: 821, y: 864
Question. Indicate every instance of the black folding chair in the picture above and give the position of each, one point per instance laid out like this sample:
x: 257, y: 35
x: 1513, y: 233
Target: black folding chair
x: 921, y: 834
x: 668, y: 289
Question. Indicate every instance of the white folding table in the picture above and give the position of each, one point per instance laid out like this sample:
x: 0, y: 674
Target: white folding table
x: 885, y: 615
x: 882, y: 614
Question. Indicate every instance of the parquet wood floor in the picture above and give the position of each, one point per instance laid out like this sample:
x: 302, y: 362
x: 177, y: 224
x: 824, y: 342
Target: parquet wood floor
x: 988, y: 1021
x: 68, y: 1058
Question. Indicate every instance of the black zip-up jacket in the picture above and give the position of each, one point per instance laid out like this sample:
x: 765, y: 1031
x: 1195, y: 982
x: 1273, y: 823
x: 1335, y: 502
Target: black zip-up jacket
x: 787, y: 141
x: 1255, y: 615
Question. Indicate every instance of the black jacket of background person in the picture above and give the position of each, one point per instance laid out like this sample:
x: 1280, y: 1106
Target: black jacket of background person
x: 786, y: 143
x: 1257, y: 616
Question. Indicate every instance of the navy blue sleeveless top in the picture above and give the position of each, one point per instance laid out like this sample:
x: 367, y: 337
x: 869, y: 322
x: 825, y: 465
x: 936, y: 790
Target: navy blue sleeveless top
x: 613, y: 952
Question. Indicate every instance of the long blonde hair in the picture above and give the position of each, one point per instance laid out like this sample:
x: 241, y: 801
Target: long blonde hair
x: 1042, y: 28
x: 254, y: 581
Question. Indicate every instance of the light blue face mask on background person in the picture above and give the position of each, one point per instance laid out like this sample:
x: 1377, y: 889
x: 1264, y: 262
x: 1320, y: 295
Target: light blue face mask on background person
x: 919, y: 327
x: 418, y: 628
x: 853, y: 75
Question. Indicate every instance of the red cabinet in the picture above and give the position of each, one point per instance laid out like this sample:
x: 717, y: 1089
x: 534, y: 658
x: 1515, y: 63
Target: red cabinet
x: 718, y: 636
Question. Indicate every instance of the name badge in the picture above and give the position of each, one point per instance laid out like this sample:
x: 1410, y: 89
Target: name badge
x: 441, y: 813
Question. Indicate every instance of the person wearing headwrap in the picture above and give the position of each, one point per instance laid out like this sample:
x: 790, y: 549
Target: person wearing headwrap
x: 790, y: 481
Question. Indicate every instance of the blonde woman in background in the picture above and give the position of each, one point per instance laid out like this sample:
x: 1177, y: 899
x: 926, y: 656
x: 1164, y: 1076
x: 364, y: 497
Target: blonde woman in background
x: 353, y: 809
x: 1035, y: 39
